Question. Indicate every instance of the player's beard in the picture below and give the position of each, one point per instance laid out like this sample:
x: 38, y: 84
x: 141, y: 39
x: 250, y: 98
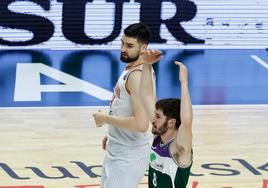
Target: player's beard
x: 160, y: 130
x: 127, y: 59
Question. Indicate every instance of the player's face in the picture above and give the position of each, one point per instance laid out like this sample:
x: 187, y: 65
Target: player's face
x: 160, y: 123
x: 130, y: 49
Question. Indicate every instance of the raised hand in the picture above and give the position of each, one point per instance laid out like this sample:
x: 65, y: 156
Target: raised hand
x: 183, y: 72
x: 151, y: 56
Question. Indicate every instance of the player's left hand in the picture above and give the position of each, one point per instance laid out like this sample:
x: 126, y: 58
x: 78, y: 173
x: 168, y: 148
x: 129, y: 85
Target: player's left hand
x: 151, y: 56
x: 100, y: 118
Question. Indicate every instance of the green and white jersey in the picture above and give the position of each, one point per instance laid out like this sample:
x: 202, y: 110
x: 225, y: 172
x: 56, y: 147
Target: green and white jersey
x: 164, y: 171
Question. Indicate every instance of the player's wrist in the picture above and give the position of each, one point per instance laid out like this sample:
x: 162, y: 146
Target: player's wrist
x: 184, y: 82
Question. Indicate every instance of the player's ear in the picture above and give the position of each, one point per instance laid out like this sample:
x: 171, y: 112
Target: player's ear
x: 143, y: 48
x: 172, y: 122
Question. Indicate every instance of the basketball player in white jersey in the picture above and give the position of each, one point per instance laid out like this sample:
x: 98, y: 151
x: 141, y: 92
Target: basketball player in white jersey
x: 127, y: 150
x: 171, y: 150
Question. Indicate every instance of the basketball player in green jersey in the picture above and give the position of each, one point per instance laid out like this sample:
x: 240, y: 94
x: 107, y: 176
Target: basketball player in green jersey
x: 171, y: 150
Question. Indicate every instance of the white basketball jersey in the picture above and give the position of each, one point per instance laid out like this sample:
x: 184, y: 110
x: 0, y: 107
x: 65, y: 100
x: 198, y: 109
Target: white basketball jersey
x: 121, y: 106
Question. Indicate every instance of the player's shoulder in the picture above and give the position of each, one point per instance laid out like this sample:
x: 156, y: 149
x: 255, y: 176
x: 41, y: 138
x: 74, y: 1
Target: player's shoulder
x: 133, y: 82
x: 134, y: 74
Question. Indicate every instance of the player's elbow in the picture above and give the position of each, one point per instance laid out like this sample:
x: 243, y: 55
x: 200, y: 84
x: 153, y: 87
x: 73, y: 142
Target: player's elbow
x: 143, y: 127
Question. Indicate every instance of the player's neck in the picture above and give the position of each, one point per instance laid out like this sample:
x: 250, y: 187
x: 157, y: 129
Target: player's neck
x: 135, y: 63
x: 169, y: 135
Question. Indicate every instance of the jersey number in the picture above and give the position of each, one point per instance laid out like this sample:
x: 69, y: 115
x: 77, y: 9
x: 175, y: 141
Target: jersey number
x: 154, y: 179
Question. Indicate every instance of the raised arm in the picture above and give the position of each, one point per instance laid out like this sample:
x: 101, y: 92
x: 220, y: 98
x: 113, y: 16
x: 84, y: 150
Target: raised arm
x: 142, y: 103
x: 147, y: 94
x: 184, y: 135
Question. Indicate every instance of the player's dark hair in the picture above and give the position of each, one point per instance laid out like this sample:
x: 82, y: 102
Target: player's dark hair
x: 171, y: 109
x: 140, y: 31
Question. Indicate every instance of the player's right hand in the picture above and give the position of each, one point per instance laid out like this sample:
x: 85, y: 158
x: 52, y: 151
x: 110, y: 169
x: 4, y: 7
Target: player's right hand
x: 151, y: 56
x: 99, y: 118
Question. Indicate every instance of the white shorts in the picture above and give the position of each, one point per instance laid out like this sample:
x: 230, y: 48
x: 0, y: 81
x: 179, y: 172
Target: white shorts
x: 123, y: 166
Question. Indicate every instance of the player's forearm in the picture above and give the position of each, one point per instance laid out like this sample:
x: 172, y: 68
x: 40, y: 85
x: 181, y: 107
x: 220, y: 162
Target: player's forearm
x: 128, y: 123
x: 146, y: 91
x: 146, y: 87
x: 186, y: 105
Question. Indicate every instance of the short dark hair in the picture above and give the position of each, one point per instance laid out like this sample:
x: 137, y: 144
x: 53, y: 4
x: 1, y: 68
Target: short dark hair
x: 171, y: 108
x: 140, y: 31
